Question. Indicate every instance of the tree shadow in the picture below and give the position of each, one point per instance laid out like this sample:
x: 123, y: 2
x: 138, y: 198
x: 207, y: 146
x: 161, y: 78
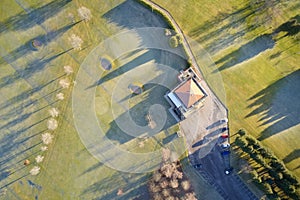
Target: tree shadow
x: 133, y: 186
x: 23, y: 21
x: 157, y: 55
x: 258, y: 45
x: 246, y: 52
x: 23, y: 100
x: 27, y: 47
x: 209, y: 135
x: 30, y: 69
x: 292, y: 156
x: 138, y: 114
x: 291, y: 27
x: 278, y: 105
x: 131, y: 14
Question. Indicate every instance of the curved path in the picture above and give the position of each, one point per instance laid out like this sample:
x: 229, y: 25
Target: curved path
x: 206, y: 150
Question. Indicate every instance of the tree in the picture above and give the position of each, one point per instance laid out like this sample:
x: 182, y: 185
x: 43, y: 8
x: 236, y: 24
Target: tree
x: 241, y: 142
x: 47, y: 138
x: 64, y: 83
x: 44, y: 148
x: 174, y: 183
x: 68, y: 69
x: 60, y: 96
x: 268, y: 188
x: 75, y: 42
x: 190, y: 196
x: 35, y: 170
x: 84, y: 13
x: 242, y: 132
x: 185, y: 185
x: 54, y: 112
x: 39, y: 158
x: 173, y: 42
x: 166, y: 153
x: 52, y: 124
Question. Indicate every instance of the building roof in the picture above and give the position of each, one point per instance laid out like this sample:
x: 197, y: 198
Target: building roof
x: 189, y: 93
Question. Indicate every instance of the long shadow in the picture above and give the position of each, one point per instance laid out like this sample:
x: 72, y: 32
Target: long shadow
x: 218, y: 20
x: 258, y: 45
x: 157, y: 55
x: 107, y: 188
x: 278, y: 105
x: 291, y: 27
x: 125, y: 68
x: 28, y: 48
x: 138, y: 115
x: 246, y: 52
x: 32, y: 68
x: 24, y: 98
x: 292, y: 156
x: 23, y: 21
x: 131, y: 14
x: 211, y: 134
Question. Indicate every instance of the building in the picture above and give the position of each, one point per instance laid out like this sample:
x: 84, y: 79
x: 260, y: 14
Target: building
x: 187, y: 97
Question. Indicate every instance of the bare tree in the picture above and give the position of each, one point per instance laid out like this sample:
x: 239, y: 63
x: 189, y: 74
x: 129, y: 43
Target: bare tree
x: 68, y: 69
x: 35, y: 170
x: 185, y: 185
x: 47, y: 138
x: 64, y: 83
x: 52, y: 124
x: 60, y: 96
x: 39, y: 158
x: 84, y: 13
x: 75, y: 42
x: 44, y: 148
x: 54, y: 112
x: 166, y: 153
x: 174, y: 183
x: 190, y: 196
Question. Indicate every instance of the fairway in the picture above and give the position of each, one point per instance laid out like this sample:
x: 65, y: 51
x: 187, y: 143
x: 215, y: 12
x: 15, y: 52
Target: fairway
x: 254, y: 46
x: 34, y: 51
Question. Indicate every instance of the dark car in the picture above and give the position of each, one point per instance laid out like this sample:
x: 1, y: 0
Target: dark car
x: 224, y: 153
x: 197, y: 166
x: 227, y: 171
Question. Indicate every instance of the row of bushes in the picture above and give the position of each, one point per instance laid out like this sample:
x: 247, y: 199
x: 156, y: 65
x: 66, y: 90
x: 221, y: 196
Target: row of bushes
x: 274, y: 172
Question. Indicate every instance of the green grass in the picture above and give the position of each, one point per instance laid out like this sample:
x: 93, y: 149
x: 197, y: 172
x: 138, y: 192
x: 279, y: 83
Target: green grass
x: 223, y: 28
x: 29, y: 82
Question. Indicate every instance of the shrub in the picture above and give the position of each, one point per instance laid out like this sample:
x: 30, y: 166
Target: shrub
x: 242, y: 132
x: 173, y: 42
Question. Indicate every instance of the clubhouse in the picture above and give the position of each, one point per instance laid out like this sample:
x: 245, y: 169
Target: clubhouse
x: 188, y: 96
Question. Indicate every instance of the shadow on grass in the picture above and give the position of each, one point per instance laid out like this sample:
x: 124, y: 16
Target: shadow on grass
x: 278, y: 105
x: 23, y: 21
x: 142, y: 59
x: 22, y: 101
x: 27, y: 47
x: 134, y: 186
x: 139, y: 112
x: 292, y: 156
x: 259, y: 45
x: 246, y: 52
x: 131, y: 14
x: 30, y: 69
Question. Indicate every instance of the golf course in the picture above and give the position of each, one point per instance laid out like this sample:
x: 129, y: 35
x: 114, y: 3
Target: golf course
x: 82, y: 85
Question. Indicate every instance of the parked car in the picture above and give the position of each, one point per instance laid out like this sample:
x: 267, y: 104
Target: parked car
x: 224, y: 153
x: 225, y: 145
x: 197, y: 166
x: 227, y: 171
x: 224, y: 136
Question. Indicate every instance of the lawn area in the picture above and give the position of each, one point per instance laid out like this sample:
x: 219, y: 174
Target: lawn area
x: 254, y: 46
x: 30, y: 81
